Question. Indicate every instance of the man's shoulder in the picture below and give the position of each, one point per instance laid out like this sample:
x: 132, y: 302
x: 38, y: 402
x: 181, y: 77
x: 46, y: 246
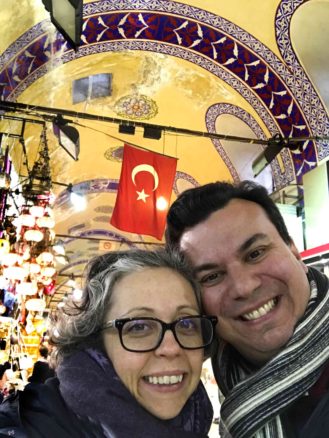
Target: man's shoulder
x: 321, y: 387
x: 309, y: 414
x: 318, y: 424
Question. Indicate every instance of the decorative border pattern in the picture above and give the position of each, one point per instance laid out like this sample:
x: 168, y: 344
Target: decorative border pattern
x: 227, y: 108
x: 104, y: 219
x: 95, y: 232
x: 185, y: 177
x: 103, y: 185
x: 190, y: 33
x: 303, y: 88
x: 103, y: 233
x: 99, y: 185
x: 218, y: 109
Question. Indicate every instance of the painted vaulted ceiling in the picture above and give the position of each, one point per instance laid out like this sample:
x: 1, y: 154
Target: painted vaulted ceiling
x: 250, y: 69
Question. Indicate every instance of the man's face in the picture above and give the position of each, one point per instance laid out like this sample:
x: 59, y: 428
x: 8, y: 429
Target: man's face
x: 251, y: 279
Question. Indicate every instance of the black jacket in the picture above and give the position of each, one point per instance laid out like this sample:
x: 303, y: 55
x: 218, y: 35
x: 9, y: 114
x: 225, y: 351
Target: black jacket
x: 88, y: 399
x: 39, y: 411
x: 308, y: 417
x: 41, y: 372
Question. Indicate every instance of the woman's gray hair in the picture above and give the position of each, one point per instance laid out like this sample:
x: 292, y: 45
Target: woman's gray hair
x: 78, y: 325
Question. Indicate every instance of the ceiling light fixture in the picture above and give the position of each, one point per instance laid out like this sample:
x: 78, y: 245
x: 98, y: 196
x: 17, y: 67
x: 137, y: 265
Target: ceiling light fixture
x: 152, y: 132
x: 71, y: 281
x: 79, y: 202
x: 126, y: 129
x: 68, y: 136
x: 59, y: 247
x: 77, y: 294
x: 274, y: 147
x: 67, y: 16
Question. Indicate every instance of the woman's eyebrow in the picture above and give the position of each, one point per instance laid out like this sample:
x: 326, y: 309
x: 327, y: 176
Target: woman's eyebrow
x: 127, y: 314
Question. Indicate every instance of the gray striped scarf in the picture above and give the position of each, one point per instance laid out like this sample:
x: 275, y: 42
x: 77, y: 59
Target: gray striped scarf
x: 255, y: 399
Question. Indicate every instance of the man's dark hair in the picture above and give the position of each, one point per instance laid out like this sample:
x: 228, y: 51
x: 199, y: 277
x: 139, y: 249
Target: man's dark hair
x: 196, y: 205
x: 43, y: 351
x: 3, y: 367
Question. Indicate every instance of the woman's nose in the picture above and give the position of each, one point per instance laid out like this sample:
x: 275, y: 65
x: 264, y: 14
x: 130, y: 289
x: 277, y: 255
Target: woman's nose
x: 169, y: 346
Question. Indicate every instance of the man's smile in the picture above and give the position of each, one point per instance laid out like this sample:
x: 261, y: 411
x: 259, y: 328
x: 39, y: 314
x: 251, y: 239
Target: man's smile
x: 260, y: 311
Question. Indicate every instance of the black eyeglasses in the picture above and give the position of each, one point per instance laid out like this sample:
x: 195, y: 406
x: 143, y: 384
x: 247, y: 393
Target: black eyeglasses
x: 146, y: 334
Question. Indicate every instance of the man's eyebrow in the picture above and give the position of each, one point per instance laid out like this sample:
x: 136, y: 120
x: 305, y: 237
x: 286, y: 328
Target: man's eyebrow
x: 246, y: 245
x: 249, y: 242
x: 204, y: 267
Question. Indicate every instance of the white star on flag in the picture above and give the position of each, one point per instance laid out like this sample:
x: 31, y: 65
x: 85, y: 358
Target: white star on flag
x: 142, y: 195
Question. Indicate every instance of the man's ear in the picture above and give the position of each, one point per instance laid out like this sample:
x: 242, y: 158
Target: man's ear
x: 296, y: 253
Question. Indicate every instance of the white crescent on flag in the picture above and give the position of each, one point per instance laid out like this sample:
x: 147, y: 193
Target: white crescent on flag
x: 145, y: 168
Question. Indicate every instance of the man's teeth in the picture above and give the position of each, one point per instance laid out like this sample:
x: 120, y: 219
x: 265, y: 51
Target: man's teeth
x: 261, y: 311
x: 164, y: 380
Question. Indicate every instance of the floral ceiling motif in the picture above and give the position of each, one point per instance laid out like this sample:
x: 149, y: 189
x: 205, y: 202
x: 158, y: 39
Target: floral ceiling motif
x: 136, y: 107
x: 114, y: 154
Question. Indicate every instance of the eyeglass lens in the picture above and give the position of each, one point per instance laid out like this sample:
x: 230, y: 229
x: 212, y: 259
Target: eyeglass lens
x: 145, y: 334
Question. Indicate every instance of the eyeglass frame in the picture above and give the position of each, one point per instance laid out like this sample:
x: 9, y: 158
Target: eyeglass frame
x: 120, y: 322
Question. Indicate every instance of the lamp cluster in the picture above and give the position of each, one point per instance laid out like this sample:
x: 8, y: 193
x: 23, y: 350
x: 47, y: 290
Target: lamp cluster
x: 27, y: 269
x: 28, y: 256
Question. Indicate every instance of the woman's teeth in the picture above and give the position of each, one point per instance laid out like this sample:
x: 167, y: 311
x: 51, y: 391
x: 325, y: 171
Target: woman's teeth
x: 261, y: 311
x: 164, y: 380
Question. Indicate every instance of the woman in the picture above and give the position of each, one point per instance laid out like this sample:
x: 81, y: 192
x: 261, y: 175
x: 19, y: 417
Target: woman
x: 128, y: 356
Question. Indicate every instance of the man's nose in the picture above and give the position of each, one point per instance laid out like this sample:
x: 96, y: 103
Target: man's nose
x: 169, y: 346
x: 243, y: 282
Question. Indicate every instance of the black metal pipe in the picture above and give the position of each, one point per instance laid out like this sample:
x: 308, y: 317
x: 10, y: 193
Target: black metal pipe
x: 30, y: 109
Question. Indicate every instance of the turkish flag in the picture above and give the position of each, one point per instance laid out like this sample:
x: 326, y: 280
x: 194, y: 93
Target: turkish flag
x: 144, y: 191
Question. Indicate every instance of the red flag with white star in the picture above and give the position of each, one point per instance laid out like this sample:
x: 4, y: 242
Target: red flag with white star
x: 144, y: 192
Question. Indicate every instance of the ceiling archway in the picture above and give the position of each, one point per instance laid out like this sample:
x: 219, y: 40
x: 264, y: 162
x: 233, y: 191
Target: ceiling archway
x: 202, y: 65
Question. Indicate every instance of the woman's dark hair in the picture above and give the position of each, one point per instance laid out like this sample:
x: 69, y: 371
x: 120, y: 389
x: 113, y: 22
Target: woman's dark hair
x: 79, y: 325
x: 196, y: 205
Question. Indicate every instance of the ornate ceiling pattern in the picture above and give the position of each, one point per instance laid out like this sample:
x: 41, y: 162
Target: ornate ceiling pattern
x: 231, y: 49
x: 191, y: 64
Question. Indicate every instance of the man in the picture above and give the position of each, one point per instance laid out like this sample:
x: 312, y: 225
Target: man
x: 41, y: 369
x: 271, y: 362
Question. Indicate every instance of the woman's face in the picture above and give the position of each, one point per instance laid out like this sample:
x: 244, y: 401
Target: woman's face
x: 164, y: 294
